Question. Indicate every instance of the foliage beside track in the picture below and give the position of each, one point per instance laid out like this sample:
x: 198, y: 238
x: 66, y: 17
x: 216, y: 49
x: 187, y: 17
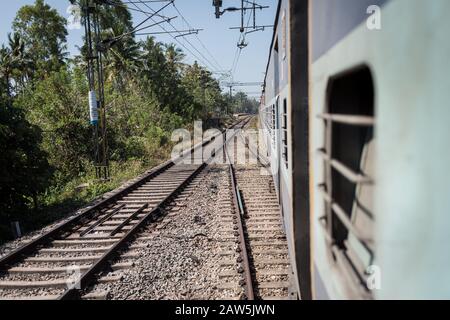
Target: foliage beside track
x: 46, y: 161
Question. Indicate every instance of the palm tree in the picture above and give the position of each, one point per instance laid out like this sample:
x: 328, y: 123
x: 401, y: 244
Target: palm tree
x: 154, y: 61
x: 6, y: 68
x: 123, y: 56
x: 123, y: 59
x: 174, y: 56
x: 22, y: 63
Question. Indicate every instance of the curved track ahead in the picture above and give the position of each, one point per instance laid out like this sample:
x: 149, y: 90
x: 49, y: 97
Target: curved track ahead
x: 64, y: 261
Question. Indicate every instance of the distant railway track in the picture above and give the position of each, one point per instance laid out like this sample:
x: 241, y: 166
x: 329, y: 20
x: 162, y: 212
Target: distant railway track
x: 63, y: 262
x: 262, y: 255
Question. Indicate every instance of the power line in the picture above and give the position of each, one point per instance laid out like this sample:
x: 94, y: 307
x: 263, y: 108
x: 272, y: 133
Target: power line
x: 151, y: 16
x: 123, y: 5
x: 180, y: 43
x: 147, y: 1
x: 214, y: 68
x: 236, y: 62
x: 241, y: 41
x: 134, y: 30
x: 198, y: 38
x: 211, y: 66
x: 190, y: 31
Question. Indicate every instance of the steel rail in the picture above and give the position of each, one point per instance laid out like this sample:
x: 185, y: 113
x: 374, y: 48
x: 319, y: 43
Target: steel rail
x: 89, y: 276
x: 102, y: 220
x: 249, y: 290
x: 47, y: 237
x: 88, y: 213
x: 239, y: 214
x: 19, y: 254
x: 91, y: 273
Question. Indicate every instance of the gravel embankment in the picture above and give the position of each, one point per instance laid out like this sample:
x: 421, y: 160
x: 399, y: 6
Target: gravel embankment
x: 183, y: 258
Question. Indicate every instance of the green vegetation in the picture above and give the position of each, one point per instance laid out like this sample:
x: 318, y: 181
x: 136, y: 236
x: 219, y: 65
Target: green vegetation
x: 243, y: 104
x: 46, y: 161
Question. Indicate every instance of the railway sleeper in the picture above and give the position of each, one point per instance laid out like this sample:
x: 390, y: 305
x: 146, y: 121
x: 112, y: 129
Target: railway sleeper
x: 79, y: 250
x: 77, y: 242
x: 59, y: 283
x: 29, y: 298
x: 52, y: 270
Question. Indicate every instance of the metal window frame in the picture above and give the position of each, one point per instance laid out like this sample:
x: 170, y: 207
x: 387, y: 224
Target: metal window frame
x: 274, y: 119
x: 333, y: 209
x: 284, y: 137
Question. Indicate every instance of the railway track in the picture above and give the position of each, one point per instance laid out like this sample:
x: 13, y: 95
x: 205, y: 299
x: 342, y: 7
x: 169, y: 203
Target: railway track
x: 253, y: 221
x: 65, y: 261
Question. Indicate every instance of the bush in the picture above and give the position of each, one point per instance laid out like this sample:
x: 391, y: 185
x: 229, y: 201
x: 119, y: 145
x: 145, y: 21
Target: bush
x: 24, y: 169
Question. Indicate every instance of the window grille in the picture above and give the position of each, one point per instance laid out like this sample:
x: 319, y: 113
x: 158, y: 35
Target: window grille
x: 274, y: 119
x: 347, y: 191
x: 284, y: 133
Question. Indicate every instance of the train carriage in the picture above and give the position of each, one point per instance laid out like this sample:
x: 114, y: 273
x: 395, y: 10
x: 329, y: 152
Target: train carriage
x: 355, y: 118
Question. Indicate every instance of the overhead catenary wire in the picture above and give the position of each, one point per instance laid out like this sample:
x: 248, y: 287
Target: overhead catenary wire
x: 211, y: 65
x: 147, y: 1
x: 242, y: 38
x: 164, y: 32
x: 198, y: 38
x: 205, y: 61
x: 123, y: 4
x: 137, y: 27
x: 236, y: 62
x: 134, y: 32
x: 151, y: 17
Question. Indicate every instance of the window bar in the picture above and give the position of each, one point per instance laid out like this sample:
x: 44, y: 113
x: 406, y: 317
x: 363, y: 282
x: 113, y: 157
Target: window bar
x: 348, y: 173
x: 328, y: 175
x: 343, y: 217
x: 351, y: 273
x: 354, y: 274
x: 353, y: 120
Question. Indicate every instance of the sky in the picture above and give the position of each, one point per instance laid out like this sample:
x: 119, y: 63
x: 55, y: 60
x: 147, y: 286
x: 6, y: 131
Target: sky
x: 217, y: 47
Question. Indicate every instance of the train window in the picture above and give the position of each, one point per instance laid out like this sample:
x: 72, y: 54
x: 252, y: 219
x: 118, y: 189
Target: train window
x: 284, y: 133
x: 348, y: 156
x: 273, y: 125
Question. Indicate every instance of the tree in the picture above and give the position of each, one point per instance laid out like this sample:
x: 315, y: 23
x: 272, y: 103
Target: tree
x: 244, y: 104
x: 22, y: 62
x: 174, y: 57
x: 58, y: 105
x: 24, y: 170
x: 6, y: 69
x: 44, y: 32
x: 154, y: 62
x: 15, y: 65
x: 204, y: 91
x: 123, y: 59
